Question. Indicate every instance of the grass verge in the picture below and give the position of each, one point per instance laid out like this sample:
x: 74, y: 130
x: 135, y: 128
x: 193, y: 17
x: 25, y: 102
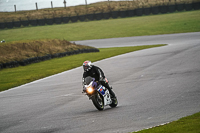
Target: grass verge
x: 21, y: 50
x: 136, y: 26
x: 13, y: 77
x: 190, y: 124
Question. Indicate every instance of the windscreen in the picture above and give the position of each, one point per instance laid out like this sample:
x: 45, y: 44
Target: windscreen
x: 88, y: 80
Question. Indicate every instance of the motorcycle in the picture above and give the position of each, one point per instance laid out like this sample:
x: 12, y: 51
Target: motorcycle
x: 99, y: 95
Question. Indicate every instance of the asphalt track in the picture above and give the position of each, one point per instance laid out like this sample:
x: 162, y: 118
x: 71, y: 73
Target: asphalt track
x: 153, y: 86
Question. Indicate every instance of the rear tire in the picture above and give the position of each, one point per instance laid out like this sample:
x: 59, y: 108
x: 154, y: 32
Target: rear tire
x: 98, y: 101
x: 114, y: 102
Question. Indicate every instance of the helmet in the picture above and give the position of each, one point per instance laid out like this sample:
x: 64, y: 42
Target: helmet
x: 87, y: 65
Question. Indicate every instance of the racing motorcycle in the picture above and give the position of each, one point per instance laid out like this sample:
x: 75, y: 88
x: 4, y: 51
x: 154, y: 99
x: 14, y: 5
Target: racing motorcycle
x: 99, y: 95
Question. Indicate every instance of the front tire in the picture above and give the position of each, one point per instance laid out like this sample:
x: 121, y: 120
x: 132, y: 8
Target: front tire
x: 98, y: 101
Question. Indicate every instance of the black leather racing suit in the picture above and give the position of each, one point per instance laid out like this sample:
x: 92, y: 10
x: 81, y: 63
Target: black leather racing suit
x: 97, y: 73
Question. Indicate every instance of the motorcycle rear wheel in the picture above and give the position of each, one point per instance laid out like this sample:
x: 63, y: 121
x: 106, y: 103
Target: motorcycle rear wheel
x: 98, y: 101
x: 114, y: 102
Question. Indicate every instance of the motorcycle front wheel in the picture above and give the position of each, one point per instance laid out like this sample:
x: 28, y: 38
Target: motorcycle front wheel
x: 98, y: 101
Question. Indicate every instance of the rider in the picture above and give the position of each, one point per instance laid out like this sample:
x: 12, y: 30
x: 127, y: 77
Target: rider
x: 97, y: 73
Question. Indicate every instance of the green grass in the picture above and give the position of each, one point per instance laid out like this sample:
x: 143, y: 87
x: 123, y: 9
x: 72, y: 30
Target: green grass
x: 190, y: 124
x: 135, y: 26
x: 13, y: 77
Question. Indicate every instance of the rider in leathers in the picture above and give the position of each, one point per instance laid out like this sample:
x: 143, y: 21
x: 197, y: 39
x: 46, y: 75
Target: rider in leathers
x: 97, y: 73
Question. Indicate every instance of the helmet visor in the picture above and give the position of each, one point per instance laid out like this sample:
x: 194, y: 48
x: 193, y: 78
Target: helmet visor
x: 85, y: 68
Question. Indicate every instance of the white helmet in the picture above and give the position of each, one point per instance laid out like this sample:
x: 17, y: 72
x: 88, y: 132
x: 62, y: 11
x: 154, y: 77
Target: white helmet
x: 87, y: 65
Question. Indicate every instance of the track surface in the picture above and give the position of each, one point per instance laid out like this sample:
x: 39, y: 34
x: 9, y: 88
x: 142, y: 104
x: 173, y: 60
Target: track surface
x: 153, y: 86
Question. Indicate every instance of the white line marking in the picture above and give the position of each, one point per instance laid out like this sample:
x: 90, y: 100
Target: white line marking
x: 67, y: 95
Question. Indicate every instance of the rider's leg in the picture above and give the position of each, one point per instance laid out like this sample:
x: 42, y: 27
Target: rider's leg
x: 105, y: 84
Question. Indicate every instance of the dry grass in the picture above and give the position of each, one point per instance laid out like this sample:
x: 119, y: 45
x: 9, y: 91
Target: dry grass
x: 82, y: 10
x: 17, y: 51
